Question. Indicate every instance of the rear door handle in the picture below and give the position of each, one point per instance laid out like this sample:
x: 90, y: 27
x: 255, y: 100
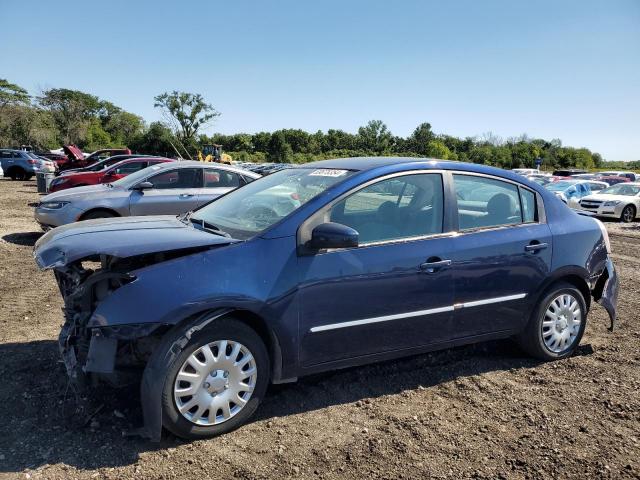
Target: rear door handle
x: 186, y: 195
x: 434, y: 266
x: 534, y: 247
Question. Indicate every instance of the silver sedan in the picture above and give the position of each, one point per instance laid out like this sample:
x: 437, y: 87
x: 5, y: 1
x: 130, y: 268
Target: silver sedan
x: 164, y: 189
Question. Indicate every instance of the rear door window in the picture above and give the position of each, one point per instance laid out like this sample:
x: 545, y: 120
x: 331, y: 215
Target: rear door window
x: 217, y: 177
x: 486, y: 202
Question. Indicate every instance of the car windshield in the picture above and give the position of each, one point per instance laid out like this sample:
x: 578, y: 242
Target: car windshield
x: 559, y: 186
x: 255, y: 207
x: 621, y: 189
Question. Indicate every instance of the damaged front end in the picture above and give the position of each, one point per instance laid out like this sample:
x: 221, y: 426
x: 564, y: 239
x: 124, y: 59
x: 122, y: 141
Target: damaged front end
x: 91, y: 352
x: 91, y: 260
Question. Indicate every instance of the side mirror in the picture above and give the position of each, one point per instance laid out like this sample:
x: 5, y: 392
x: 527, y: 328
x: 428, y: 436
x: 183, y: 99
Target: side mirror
x: 333, y: 235
x: 143, y: 186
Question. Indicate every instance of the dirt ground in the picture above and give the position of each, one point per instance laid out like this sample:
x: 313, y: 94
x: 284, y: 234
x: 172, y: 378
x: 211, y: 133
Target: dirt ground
x: 483, y: 411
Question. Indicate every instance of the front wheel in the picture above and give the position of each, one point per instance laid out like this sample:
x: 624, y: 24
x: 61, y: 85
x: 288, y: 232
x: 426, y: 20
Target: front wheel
x: 628, y: 214
x: 557, y: 324
x: 216, y: 382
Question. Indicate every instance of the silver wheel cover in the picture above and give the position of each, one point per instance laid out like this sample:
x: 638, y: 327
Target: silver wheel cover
x: 561, y: 323
x: 215, y: 382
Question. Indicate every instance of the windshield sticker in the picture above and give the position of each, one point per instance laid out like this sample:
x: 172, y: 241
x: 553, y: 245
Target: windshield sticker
x: 327, y: 172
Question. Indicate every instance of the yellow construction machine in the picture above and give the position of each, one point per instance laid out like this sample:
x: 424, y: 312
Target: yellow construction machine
x: 213, y: 153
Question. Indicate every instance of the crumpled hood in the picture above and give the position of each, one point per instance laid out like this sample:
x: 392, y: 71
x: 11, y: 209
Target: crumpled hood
x: 73, y: 152
x: 119, y: 237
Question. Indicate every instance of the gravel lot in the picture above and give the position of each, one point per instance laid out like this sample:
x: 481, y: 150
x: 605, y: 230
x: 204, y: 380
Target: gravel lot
x: 483, y: 411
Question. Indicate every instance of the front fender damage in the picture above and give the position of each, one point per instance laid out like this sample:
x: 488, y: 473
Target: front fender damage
x: 99, y: 352
x: 153, y: 377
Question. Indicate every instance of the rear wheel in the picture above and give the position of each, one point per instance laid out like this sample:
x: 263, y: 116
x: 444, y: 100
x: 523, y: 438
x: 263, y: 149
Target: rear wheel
x: 98, y: 214
x: 557, y: 325
x: 216, y: 382
x: 628, y: 214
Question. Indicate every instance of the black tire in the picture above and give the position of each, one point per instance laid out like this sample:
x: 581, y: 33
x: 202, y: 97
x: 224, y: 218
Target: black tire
x: 98, y: 214
x: 17, y: 173
x: 531, y: 338
x: 223, y: 329
x: 628, y: 214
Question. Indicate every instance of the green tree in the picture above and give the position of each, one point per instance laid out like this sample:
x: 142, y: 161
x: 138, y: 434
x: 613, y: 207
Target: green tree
x: 156, y: 140
x: 375, y: 136
x: 185, y: 112
x: 419, y: 140
x: 123, y: 127
x: 437, y: 149
x: 279, y: 150
x: 12, y: 94
x: 71, y: 110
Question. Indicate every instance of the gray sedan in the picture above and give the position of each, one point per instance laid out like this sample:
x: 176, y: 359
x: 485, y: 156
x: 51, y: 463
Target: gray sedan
x: 164, y: 189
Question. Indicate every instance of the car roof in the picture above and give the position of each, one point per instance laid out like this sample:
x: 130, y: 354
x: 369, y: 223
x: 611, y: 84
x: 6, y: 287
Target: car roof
x: 195, y: 163
x: 366, y: 163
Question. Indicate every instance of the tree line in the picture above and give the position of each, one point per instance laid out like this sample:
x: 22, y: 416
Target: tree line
x: 61, y: 116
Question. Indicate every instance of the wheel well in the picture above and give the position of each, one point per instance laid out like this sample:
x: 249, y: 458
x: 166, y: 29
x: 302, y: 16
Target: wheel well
x: 257, y: 324
x: 94, y: 210
x: 14, y: 168
x: 578, y: 282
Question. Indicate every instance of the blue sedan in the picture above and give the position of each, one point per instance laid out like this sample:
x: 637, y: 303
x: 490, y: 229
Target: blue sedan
x: 324, y: 266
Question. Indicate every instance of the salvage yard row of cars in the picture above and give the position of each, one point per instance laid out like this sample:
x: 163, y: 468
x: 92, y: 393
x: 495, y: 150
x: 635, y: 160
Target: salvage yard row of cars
x: 252, y: 278
x: 614, y: 194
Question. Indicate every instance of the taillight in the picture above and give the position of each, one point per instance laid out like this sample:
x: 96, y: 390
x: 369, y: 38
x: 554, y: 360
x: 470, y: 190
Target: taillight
x: 33, y: 162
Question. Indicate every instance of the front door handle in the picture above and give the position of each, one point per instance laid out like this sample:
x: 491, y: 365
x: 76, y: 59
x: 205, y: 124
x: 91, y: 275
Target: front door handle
x: 433, y: 265
x: 535, y: 247
x: 186, y: 195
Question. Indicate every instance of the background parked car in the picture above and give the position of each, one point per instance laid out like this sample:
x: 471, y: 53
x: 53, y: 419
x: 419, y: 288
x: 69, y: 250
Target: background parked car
x: 102, y: 164
x: 22, y: 165
x: 525, y: 171
x: 620, y: 173
x: 570, y: 191
x: 618, y: 201
x: 75, y: 158
x: 567, y: 172
x: 596, y: 185
x: 169, y: 188
x: 109, y: 174
x: 612, y: 180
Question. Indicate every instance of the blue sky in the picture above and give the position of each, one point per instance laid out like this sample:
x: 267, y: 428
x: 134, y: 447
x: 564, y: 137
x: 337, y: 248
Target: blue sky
x: 567, y: 69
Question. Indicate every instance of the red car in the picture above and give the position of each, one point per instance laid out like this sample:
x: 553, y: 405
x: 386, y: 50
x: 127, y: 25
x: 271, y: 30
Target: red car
x: 76, y: 159
x: 613, y: 179
x: 108, y: 175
